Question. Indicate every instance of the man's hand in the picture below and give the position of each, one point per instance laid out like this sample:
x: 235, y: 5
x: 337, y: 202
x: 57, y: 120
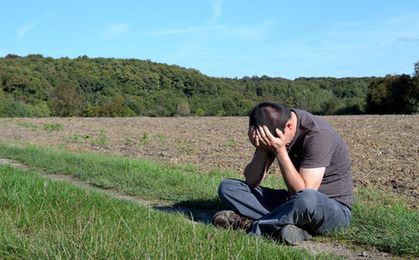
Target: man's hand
x: 266, y: 140
x: 251, y: 133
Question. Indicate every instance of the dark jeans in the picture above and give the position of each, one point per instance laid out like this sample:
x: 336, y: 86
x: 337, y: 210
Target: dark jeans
x: 271, y: 209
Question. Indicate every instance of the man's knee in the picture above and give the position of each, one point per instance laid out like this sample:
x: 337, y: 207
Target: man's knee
x: 228, y: 186
x: 306, y: 199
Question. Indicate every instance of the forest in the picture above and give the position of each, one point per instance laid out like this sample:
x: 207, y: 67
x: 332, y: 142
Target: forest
x: 38, y: 86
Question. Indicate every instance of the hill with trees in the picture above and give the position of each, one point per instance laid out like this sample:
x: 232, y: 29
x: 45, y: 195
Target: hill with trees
x: 43, y: 86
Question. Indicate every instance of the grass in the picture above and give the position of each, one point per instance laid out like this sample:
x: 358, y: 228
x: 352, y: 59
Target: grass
x: 380, y: 219
x: 29, y: 125
x: 184, y: 146
x: 230, y: 143
x: 129, y: 142
x: 53, y: 127
x: 144, y: 139
x: 102, y: 139
x: 161, y: 137
x: 77, y: 138
x: 383, y: 220
x: 46, y: 219
x: 46, y: 127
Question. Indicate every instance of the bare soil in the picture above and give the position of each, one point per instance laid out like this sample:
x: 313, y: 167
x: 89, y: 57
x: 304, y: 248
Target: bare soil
x: 384, y: 149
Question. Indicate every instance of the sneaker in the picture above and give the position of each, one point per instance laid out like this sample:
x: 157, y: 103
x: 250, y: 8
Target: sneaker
x: 231, y: 220
x: 293, y: 235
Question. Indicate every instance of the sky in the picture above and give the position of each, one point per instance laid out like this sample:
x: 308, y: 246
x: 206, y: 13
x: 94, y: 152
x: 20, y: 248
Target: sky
x: 223, y: 38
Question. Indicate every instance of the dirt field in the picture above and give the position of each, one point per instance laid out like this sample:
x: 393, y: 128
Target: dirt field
x: 384, y: 149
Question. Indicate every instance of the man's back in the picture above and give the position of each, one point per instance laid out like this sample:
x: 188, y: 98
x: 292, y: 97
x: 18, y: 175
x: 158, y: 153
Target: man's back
x: 317, y: 144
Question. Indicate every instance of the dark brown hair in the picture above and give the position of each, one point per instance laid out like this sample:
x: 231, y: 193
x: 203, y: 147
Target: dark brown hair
x: 270, y: 114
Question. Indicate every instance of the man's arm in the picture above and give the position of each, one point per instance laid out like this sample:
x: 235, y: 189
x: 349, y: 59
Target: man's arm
x: 307, y: 178
x: 257, y: 169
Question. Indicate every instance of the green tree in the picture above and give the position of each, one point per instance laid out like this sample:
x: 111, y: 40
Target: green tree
x: 67, y: 101
x: 183, y: 109
x: 393, y: 95
x: 92, y: 86
x: 115, y: 108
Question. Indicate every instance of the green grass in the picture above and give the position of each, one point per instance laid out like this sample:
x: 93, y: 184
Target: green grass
x: 46, y: 127
x: 145, y: 139
x: 77, y: 138
x: 48, y: 219
x: 29, y: 125
x: 380, y: 219
x: 102, y: 139
x: 137, y: 177
x: 384, y: 221
x: 53, y: 127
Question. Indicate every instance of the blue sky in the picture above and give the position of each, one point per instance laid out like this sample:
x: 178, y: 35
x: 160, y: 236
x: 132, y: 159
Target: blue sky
x: 224, y: 38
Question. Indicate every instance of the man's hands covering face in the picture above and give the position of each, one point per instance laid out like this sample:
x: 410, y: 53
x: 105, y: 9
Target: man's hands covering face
x: 265, y: 140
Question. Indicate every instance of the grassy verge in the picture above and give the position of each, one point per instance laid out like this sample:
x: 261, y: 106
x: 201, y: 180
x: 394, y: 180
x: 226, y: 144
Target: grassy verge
x: 383, y: 221
x: 181, y: 184
x: 47, y: 219
x: 380, y: 220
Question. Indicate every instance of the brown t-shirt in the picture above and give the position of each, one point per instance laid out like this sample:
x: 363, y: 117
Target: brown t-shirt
x: 317, y: 144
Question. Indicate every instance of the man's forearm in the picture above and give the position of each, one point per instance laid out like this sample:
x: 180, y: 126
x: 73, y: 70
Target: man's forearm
x: 256, y: 170
x: 292, y: 177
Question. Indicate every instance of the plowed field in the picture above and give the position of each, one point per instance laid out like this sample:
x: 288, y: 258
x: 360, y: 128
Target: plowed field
x: 384, y: 149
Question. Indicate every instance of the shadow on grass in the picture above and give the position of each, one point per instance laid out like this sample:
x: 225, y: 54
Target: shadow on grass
x: 196, y: 210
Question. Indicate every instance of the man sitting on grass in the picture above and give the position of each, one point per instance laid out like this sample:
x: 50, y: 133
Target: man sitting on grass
x: 315, y: 166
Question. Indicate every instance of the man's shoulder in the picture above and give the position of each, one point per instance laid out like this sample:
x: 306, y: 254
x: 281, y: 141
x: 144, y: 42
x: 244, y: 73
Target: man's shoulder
x: 312, y: 123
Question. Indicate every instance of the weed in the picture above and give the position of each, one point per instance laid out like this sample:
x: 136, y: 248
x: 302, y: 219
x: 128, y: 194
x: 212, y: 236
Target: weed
x: 129, y: 142
x: 230, y: 143
x: 76, y: 138
x: 53, y: 127
x: 145, y: 139
x: 161, y: 137
x: 184, y: 146
x: 102, y: 139
x: 28, y: 125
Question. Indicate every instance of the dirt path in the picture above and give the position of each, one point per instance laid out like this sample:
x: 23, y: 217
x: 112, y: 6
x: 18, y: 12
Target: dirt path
x: 205, y: 216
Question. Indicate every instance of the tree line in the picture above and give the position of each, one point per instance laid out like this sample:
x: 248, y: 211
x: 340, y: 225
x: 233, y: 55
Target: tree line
x: 37, y: 86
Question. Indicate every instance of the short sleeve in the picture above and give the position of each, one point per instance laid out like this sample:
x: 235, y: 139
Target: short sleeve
x: 318, y: 148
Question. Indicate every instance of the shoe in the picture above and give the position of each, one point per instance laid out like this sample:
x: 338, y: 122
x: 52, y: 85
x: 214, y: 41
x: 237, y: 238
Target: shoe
x: 231, y: 220
x: 293, y: 235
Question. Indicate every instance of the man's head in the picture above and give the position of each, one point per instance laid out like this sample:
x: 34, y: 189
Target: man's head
x: 273, y: 115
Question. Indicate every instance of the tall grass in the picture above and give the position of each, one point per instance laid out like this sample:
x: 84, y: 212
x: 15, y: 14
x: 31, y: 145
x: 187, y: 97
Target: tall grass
x: 379, y: 219
x: 47, y: 219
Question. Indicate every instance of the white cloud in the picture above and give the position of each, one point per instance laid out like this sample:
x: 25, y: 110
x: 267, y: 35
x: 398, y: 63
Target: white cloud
x: 21, y: 31
x: 248, y: 32
x: 216, y: 11
x: 116, y: 30
x: 186, y: 30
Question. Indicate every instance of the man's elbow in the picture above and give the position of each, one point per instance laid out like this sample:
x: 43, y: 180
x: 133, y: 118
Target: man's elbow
x: 251, y: 184
x: 302, y: 187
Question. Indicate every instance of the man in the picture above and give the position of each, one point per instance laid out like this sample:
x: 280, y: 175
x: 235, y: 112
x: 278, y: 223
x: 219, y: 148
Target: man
x: 315, y: 166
